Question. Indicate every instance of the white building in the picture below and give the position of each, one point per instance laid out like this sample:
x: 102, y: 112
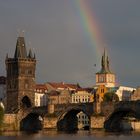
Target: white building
x: 82, y: 96
x: 83, y: 120
x: 136, y: 94
x: 41, y: 97
x: 124, y: 93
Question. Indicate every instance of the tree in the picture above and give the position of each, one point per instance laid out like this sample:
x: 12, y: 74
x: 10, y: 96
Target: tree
x: 110, y: 97
x: 1, y: 116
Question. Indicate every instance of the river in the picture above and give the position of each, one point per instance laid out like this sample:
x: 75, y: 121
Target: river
x: 80, y: 135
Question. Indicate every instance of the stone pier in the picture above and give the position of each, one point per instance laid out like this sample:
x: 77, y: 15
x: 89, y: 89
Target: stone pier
x: 50, y: 122
x: 97, y: 122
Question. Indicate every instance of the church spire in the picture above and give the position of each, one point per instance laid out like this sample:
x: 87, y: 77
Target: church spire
x: 20, y: 51
x: 105, y: 76
x: 30, y: 55
x: 105, y: 68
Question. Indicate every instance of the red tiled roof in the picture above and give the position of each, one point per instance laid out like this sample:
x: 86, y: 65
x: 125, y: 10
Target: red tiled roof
x: 72, y: 86
x: 57, y: 85
x: 53, y: 93
x: 63, y: 85
x: 41, y: 87
x: 85, y: 89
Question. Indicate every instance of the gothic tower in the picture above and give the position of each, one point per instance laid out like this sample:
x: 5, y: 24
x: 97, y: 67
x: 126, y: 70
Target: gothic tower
x: 20, y: 78
x: 105, y: 76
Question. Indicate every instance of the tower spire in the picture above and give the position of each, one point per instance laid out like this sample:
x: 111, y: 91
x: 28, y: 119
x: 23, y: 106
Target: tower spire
x: 105, y: 76
x: 20, y: 51
x: 30, y: 55
x: 108, y: 67
x: 105, y: 68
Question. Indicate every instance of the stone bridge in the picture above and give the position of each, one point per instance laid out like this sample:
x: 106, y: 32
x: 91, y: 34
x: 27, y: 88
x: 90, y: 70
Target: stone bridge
x: 61, y: 109
x: 67, y: 115
x: 123, y: 109
x: 64, y: 116
x: 60, y: 116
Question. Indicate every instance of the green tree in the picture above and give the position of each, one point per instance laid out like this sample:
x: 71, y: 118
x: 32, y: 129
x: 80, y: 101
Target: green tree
x: 110, y: 97
x: 1, y: 116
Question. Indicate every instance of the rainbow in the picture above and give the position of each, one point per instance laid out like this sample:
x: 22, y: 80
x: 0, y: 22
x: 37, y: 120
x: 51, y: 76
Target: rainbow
x: 90, y: 25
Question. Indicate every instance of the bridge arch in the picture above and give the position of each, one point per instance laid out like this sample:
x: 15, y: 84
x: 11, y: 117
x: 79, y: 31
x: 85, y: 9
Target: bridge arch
x: 32, y: 122
x: 68, y: 121
x: 120, y: 120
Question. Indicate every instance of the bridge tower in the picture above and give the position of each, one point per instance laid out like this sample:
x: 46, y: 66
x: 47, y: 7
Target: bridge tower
x: 105, y: 76
x: 20, y: 78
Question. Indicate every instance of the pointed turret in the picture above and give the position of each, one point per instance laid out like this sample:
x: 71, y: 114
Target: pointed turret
x: 108, y: 67
x: 20, y: 51
x: 105, y: 76
x: 7, y: 56
x: 30, y: 55
x: 34, y: 56
x: 105, y: 64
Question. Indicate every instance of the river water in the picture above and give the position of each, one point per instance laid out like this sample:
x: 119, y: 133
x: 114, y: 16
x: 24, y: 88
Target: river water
x: 80, y: 135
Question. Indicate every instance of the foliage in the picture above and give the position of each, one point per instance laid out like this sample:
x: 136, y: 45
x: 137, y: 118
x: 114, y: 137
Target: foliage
x: 110, y: 97
x: 1, y: 116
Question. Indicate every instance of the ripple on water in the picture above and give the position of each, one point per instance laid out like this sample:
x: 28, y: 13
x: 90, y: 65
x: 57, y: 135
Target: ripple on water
x: 79, y: 135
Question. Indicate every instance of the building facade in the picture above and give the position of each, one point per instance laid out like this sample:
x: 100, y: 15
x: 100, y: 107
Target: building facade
x: 100, y: 92
x: 41, y: 96
x: 59, y: 97
x: 136, y: 94
x: 82, y: 95
x: 105, y: 76
x: 20, y: 78
x: 124, y: 93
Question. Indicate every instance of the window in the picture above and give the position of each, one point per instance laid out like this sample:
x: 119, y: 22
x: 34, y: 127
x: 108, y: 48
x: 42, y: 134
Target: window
x: 102, y: 90
x: 26, y: 86
x: 101, y: 78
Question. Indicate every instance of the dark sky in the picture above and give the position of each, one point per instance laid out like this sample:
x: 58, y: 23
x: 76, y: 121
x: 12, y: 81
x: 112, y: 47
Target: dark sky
x: 55, y: 34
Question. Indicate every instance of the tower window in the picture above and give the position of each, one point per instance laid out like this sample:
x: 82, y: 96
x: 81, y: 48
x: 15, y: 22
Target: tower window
x: 26, y: 86
x: 102, y: 90
x: 101, y: 79
x: 29, y: 71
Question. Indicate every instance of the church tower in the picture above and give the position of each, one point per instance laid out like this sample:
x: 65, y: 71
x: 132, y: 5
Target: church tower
x: 20, y: 78
x: 105, y: 76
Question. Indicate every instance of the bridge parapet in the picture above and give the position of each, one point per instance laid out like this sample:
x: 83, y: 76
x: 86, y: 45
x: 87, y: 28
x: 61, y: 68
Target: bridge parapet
x: 61, y: 109
x: 127, y: 105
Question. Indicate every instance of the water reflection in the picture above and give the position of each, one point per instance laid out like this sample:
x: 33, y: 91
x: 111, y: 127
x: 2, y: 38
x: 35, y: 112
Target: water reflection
x: 87, y: 135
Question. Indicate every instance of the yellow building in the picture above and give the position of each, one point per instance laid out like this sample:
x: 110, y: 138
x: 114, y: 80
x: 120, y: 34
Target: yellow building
x: 101, y: 90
